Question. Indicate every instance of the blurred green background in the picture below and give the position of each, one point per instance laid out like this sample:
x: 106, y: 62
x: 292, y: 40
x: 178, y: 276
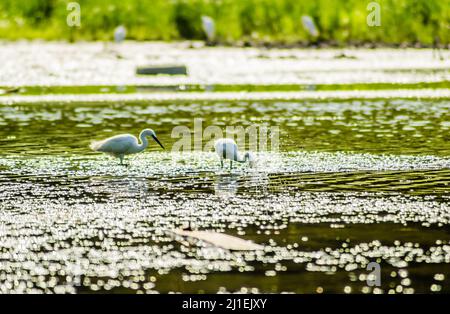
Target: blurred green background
x: 340, y: 22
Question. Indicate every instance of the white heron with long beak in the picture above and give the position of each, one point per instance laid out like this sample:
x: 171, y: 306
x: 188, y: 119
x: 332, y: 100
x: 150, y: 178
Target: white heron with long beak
x: 124, y: 144
x: 226, y: 148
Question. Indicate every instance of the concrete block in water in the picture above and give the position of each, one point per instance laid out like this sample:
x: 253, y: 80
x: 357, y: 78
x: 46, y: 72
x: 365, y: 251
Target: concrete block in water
x: 162, y: 69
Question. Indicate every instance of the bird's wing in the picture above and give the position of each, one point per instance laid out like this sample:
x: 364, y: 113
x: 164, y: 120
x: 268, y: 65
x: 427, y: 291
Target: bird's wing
x: 117, y: 144
x: 226, y: 148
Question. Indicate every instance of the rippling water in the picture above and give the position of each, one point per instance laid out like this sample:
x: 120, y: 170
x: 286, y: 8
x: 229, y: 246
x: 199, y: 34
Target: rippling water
x: 416, y: 127
x: 354, y: 181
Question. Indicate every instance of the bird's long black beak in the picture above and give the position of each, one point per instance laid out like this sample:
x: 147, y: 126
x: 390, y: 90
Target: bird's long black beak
x: 157, y: 141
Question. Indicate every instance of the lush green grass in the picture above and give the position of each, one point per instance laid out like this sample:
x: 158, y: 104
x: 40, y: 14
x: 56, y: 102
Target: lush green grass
x: 339, y: 21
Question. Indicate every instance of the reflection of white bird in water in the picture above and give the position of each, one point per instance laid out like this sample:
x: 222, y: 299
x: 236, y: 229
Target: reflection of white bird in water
x: 209, y: 28
x: 124, y: 144
x: 120, y: 33
x: 226, y: 148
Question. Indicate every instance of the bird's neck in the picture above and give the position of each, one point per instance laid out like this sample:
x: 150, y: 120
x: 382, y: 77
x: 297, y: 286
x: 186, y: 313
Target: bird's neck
x: 242, y: 158
x: 144, y: 142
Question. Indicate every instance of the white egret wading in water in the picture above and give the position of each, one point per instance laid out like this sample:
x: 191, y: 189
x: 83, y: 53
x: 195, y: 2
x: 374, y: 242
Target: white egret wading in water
x: 226, y: 148
x: 124, y: 144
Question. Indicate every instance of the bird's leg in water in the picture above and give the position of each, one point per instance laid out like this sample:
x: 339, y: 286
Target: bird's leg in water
x: 121, y: 160
x: 221, y: 163
x: 231, y: 165
x: 188, y: 228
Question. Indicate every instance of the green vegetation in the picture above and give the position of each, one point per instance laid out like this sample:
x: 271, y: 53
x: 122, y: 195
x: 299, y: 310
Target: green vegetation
x: 129, y: 89
x: 256, y: 21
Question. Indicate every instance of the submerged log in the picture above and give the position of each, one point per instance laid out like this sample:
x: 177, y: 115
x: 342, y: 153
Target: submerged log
x: 221, y: 240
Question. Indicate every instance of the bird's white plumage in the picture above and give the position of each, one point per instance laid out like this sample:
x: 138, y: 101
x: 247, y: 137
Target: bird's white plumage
x: 226, y: 148
x: 309, y: 25
x: 209, y: 27
x: 124, y: 144
x: 116, y: 145
x: 120, y: 32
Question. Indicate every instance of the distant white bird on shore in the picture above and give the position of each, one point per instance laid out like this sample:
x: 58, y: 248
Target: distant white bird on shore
x: 226, y: 148
x: 120, y: 33
x: 310, y: 26
x: 209, y: 28
x: 124, y: 144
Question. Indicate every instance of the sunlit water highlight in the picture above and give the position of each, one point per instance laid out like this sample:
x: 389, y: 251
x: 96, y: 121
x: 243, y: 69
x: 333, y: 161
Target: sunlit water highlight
x: 355, y: 181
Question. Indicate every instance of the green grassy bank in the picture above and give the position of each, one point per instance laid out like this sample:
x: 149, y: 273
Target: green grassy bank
x: 339, y: 21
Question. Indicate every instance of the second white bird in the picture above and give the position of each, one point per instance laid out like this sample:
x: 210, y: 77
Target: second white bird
x: 226, y: 148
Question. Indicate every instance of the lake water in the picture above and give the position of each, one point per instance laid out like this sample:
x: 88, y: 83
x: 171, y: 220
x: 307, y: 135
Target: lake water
x: 353, y: 181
